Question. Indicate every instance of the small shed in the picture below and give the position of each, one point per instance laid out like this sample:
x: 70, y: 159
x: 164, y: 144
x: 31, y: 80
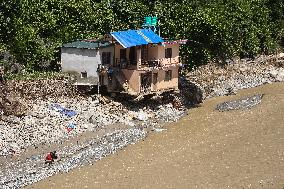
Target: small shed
x: 84, y: 57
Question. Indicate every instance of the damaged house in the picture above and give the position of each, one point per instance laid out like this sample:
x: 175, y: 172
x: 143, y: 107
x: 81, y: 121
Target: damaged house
x: 136, y: 62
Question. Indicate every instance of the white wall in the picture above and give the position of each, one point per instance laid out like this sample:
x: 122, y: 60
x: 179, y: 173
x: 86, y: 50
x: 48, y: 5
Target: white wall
x: 82, y: 60
x: 107, y: 49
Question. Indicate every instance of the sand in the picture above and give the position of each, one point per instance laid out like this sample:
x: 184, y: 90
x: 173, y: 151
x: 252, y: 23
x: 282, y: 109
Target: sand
x: 206, y: 149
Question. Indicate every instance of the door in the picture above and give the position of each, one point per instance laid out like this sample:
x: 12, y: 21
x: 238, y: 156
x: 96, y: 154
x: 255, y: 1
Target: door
x: 145, y: 82
x: 132, y: 56
x: 144, y: 54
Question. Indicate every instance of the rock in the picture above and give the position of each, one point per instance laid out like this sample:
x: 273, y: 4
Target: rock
x: 280, y: 75
x: 214, y: 80
x: 142, y: 116
x: 158, y: 129
x: 31, y: 170
x: 273, y: 73
x: 241, y: 104
x: 192, y: 93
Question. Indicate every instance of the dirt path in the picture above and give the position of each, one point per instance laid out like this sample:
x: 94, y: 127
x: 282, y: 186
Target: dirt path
x: 206, y: 149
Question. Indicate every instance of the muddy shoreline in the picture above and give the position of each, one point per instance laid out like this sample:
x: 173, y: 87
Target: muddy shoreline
x: 240, y: 148
x: 94, y: 124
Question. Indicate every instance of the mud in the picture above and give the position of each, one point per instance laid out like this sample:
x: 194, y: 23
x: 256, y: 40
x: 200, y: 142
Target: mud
x: 207, y: 149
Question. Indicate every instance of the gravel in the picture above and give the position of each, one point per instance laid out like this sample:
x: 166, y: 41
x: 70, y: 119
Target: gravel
x: 214, y: 80
x: 241, y: 104
x: 20, y: 174
x: 43, y: 125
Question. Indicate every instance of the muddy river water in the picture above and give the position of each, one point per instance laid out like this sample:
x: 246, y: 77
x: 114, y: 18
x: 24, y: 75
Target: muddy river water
x: 205, y: 149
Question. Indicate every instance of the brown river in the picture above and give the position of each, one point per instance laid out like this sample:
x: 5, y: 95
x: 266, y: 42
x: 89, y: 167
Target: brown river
x: 205, y: 149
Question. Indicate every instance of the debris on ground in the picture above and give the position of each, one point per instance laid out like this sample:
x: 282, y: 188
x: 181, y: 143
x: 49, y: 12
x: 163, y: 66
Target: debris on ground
x: 34, y: 113
x: 241, y: 104
x: 20, y: 174
x: 214, y: 80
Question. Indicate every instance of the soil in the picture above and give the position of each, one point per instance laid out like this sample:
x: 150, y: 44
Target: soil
x: 206, y: 149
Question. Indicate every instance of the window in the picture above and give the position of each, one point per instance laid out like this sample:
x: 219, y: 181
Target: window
x: 132, y: 55
x: 84, y: 75
x: 168, y: 53
x: 106, y: 57
x: 168, y: 75
x: 144, y: 52
x: 123, y: 54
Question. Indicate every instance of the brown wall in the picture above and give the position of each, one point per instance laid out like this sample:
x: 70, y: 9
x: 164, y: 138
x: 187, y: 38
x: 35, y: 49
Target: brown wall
x: 175, y: 54
x: 173, y: 83
x: 117, y: 54
x: 133, y: 78
x: 155, y: 52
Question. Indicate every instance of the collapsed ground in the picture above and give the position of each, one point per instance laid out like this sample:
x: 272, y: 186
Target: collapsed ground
x: 48, y: 112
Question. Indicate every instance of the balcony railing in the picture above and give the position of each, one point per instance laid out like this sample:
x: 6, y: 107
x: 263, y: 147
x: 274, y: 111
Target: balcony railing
x: 125, y: 63
x: 155, y: 64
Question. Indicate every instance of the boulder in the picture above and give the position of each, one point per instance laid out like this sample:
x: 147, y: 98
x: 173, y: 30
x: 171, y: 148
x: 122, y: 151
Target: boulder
x: 280, y: 75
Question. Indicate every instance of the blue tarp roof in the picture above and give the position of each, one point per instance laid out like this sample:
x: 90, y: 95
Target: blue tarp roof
x: 132, y: 38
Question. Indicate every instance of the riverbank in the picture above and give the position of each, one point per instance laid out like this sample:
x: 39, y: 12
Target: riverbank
x: 87, y: 128
x: 206, y: 149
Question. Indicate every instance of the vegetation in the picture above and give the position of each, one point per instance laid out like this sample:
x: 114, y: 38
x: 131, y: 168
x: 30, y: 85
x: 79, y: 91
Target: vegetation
x: 32, y: 31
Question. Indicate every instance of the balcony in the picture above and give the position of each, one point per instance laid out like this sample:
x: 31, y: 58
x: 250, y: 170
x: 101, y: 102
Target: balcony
x: 125, y: 64
x: 158, y: 64
x: 146, y: 64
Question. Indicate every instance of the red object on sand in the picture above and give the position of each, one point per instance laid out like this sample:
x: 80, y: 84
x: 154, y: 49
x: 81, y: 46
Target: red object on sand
x: 69, y: 129
x: 48, y: 157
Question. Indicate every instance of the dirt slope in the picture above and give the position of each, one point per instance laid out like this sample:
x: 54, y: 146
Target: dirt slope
x: 206, y: 149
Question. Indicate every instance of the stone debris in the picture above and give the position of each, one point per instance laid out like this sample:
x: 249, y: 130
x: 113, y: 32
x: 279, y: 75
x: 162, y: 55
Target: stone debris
x: 44, y: 124
x: 33, y: 169
x: 48, y: 121
x: 190, y: 92
x: 214, y: 80
x: 167, y: 113
x: 37, y: 122
x: 241, y: 104
x: 159, y: 129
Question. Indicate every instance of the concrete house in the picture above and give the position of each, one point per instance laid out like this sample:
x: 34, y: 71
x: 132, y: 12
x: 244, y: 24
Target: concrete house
x: 83, y: 58
x: 136, y: 62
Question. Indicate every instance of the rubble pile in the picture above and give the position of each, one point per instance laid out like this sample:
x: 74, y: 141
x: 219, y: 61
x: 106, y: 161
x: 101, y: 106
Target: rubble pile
x: 54, y: 120
x: 20, y: 174
x: 41, y: 89
x: 33, y: 113
x: 18, y: 96
x: 215, y: 80
x: 241, y: 104
x: 190, y: 92
x: 167, y: 113
x: 10, y: 105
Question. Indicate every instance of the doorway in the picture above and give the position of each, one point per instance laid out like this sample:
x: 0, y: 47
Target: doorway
x: 132, y: 56
x: 145, y: 82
